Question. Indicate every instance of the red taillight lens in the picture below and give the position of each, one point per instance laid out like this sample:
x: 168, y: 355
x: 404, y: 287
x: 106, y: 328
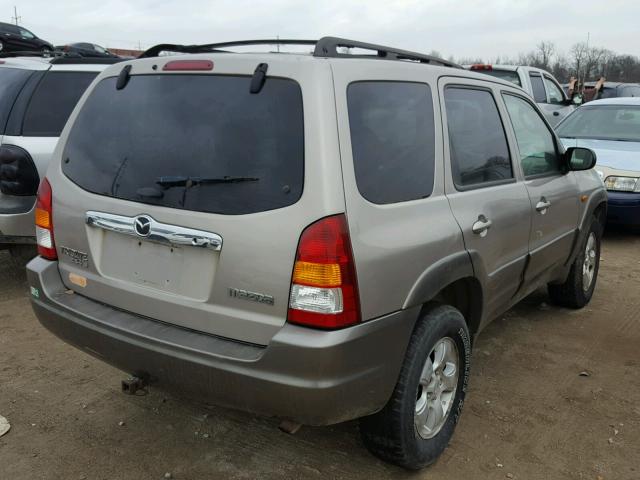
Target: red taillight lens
x: 324, y: 289
x: 44, y: 222
x: 481, y: 66
x: 188, y: 65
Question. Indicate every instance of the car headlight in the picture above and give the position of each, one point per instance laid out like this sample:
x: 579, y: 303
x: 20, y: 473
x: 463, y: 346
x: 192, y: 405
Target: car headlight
x: 622, y: 184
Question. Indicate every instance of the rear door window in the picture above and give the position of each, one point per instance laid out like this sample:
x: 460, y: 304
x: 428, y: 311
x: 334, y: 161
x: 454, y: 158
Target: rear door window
x: 539, y: 94
x: 11, y: 82
x: 191, y: 142
x: 53, y: 101
x: 392, y: 140
x: 477, y: 141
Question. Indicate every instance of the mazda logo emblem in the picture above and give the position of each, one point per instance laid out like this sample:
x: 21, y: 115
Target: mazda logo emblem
x: 142, y: 225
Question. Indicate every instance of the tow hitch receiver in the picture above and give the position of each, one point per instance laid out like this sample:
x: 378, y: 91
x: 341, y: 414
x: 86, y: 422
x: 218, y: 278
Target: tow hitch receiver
x: 132, y: 385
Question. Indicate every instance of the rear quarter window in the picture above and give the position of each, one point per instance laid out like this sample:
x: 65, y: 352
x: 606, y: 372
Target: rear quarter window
x: 392, y: 140
x: 53, y: 101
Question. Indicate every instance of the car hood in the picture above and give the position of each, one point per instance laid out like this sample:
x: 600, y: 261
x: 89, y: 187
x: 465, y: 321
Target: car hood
x: 612, y: 154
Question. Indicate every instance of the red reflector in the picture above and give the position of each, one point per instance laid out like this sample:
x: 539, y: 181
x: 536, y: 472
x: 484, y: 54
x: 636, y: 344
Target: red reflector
x: 480, y: 66
x: 188, y: 65
x: 1, y: 61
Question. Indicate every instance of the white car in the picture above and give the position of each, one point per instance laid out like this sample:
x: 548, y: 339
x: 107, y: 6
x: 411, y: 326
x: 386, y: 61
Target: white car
x: 540, y: 84
x: 37, y: 95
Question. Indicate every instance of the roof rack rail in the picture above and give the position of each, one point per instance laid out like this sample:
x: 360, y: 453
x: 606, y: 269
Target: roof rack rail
x: 328, y: 47
x: 325, y: 47
x: 217, y: 47
x: 58, y: 57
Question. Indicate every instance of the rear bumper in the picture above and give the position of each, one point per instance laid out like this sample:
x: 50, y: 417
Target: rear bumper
x: 624, y: 208
x: 310, y: 376
x: 16, y: 219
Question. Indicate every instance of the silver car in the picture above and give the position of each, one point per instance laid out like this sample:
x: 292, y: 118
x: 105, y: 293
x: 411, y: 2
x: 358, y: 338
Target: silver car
x: 611, y: 128
x: 37, y: 95
x: 317, y: 237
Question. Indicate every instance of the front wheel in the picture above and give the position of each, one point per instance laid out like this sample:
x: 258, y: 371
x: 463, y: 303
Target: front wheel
x: 417, y: 423
x: 579, y: 286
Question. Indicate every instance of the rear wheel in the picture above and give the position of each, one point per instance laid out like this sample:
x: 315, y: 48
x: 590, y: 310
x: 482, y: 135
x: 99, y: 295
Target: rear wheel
x: 1, y: 46
x: 417, y: 423
x: 578, y: 288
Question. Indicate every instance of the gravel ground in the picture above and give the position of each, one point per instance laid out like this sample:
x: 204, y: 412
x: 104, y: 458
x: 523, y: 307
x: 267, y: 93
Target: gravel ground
x: 529, y: 413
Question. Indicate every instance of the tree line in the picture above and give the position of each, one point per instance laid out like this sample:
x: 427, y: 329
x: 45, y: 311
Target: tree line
x: 583, y: 61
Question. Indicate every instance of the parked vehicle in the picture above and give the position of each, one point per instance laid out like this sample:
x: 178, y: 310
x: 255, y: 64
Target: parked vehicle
x: 540, y: 84
x: 309, y: 236
x: 14, y: 38
x: 611, y: 128
x: 86, y: 50
x: 596, y: 91
x: 36, y: 97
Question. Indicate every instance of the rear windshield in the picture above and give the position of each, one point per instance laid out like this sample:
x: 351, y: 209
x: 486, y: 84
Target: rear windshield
x: 53, y: 101
x: 11, y: 82
x: 192, y: 142
x: 508, y: 75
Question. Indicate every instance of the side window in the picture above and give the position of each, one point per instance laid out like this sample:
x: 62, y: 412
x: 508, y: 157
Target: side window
x: 392, y: 140
x: 477, y: 141
x: 53, y: 101
x: 535, y: 142
x: 539, y: 94
x: 26, y: 34
x: 555, y: 94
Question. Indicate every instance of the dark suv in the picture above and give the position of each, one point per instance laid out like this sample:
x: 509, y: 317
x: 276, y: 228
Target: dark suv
x: 14, y: 38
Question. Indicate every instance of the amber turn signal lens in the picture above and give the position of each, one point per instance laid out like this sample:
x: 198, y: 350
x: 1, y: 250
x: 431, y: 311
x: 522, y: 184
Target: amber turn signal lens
x: 317, y: 274
x: 42, y: 218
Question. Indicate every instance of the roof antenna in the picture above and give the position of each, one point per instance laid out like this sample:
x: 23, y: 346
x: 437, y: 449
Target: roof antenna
x: 259, y: 76
x: 123, y: 77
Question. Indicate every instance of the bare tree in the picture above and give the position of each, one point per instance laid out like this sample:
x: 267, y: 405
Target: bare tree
x: 545, y: 53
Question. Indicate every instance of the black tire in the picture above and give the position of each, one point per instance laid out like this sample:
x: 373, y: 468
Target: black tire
x: 391, y: 433
x: 22, y: 254
x: 1, y: 46
x: 572, y: 293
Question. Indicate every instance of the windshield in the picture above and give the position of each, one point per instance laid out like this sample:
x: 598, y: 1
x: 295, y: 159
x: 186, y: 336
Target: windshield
x: 508, y: 75
x: 603, y: 122
x: 192, y: 142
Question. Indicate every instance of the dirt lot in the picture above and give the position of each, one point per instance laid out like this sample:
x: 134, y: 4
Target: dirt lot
x: 529, y: 414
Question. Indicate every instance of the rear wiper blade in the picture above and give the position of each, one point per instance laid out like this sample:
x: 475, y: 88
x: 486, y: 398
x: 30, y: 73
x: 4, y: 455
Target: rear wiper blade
x: 181, y: 181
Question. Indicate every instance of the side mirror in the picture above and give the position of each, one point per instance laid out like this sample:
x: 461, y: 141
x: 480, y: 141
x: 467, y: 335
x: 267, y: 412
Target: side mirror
x: 578, y: 159
x: 577, y: 99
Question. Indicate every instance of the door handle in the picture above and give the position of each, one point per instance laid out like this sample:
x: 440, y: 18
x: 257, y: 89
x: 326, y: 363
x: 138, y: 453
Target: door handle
x: 481, y: 226
x: 542, y: 206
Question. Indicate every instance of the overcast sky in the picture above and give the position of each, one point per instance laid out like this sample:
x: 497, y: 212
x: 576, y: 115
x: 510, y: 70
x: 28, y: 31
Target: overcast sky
x: 463, y: 28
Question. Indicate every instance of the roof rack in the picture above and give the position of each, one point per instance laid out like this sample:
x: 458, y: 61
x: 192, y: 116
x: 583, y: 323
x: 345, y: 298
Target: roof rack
x: 58, y: 57
x: 326, y: 47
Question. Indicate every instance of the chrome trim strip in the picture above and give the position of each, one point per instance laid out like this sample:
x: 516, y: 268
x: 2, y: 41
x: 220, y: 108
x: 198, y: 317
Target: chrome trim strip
x: 158, y: 232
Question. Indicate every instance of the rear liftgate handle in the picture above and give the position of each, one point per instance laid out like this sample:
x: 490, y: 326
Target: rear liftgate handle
x: 482, y: 226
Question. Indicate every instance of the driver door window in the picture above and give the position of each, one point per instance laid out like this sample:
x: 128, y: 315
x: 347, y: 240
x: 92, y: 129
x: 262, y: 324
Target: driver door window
x: 536, y: 144
x: 26, y: 34
x: 555, y: 94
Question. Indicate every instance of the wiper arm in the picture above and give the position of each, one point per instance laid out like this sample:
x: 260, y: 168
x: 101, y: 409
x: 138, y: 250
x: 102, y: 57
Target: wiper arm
x: 181, y: 181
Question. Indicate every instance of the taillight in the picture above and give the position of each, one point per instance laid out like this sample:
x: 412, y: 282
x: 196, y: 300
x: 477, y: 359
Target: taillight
x: 324, y: 289
x: 481, y: 66
x: 178, y: 65
x: 44, y: 222
x: 18, y: 173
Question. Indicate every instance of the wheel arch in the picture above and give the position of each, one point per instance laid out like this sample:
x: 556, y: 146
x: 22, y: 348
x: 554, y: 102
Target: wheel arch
x: 450, y: 281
